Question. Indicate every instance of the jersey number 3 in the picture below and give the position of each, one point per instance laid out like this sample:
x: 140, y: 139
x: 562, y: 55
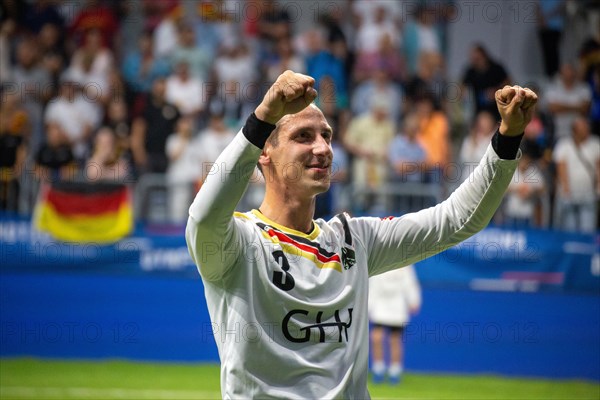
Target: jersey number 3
x: 283, y: 280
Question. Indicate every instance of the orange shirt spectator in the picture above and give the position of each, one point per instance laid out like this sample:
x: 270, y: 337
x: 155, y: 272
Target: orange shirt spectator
x: 433, y: 133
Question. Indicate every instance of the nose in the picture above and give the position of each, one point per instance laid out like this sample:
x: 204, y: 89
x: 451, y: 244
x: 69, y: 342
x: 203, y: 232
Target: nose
x: 321, y: 147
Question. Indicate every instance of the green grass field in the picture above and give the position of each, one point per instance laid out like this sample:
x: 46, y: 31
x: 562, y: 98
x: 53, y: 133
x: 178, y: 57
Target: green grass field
x: 24, y: 378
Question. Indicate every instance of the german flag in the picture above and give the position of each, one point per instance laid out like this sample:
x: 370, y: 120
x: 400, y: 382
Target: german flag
x: 85, y: 212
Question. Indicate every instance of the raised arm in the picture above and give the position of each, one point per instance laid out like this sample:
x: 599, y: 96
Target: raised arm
x: 213, y: 239
x: 400, y: 241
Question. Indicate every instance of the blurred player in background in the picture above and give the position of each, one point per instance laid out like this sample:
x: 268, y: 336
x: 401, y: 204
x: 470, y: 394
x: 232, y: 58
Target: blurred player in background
x: 393, y: 297
x: 287, y: 294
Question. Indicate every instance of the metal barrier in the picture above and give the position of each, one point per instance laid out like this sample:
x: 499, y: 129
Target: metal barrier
x: 395, y: 198
x: 150, y: 200
x: 154, y: 199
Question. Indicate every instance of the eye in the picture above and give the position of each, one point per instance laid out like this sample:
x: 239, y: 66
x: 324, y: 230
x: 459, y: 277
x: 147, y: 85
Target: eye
x: 303, y: 136
x: 327, y: 136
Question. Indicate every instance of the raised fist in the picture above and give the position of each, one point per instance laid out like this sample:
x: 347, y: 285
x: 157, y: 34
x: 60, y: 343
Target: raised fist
x: 292, y: 92
x: 516, y: 106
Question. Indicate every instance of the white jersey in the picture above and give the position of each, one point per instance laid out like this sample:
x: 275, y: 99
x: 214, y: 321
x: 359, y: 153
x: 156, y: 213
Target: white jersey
x: 289, y: 309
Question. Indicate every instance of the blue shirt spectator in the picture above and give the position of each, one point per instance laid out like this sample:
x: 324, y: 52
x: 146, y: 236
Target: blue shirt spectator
x: 141, y: 67
x: 406, y: 155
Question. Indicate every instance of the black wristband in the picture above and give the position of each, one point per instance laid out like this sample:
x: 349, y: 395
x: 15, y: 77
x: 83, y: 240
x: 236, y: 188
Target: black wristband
x: 256, y: 131
x: 506, y: 147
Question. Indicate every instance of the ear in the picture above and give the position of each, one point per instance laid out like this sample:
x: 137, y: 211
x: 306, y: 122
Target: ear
x: 265, y: 157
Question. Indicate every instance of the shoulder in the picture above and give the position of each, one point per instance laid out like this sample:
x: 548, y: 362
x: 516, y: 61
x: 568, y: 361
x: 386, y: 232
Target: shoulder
x: 496, y: 67
x: 358, y: 226
x: 563, y: 146
x: 593, y: 143
x: 468, y: 74
x: 244, y: 217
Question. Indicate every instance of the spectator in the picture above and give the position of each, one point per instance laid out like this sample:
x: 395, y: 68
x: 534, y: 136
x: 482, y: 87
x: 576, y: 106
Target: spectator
x: 577, y: 159
x: 7, y: 31
x: 567, y: 98
x: 368, y: 139
x: 40, y: 13
x: 216, y: 27
x: 434, y: 137
x: 285, y: 58
x: 92, y: 65
x: 551, y: 24
x: 536, y: 139
x: 102, y: 58
x: 185, y: 91
x: 337, y: 23
x: 393, y: 297
x: 407, y: 157
x: 166, y: 33
x: 33, y: 82
x: 421, y: 36
x: 117, y: 88
x: 142, y: 67
x: 150, y: 130
x: 588, y: 53
x: 187, y: 51
x: 476, y: 143
x: 212, y: 141
x: 95, y: 15
x: 274, y: 22
x: 427, y: 81
x: 155, y: 10
x: 107, y: 162
x: 366, y: 11
x: 371, y: 32
x: 235, y: 71
x: 483, y: 77
x: 378, y: 87
x: 52, y: 51
x: 386, y: 57
x: 117, y: 119
x: 75, y: 114
x: 321, y: 62
x: 408, y: 164
x: 250, y: 26
x: 523, y: 198
x: 14, y: 132
x: 183, y: 170
x: 54, y: 159
x: 334, y: 108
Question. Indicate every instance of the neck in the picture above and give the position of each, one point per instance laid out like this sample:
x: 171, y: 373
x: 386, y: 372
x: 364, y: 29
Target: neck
x: 290, y: 211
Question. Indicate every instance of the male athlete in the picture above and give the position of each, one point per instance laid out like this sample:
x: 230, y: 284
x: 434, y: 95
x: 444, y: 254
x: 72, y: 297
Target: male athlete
x: 287, y: 294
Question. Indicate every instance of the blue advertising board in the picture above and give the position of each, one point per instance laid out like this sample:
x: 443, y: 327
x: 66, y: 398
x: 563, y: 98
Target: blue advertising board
x: 520, y: 303
x: 494, y: 259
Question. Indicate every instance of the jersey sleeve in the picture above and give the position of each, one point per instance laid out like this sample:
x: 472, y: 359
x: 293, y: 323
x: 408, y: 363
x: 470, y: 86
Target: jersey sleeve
x: 214, y: 237
x: 396, y: 242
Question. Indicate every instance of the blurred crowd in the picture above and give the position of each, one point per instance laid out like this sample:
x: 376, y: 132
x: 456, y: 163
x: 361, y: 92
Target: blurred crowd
x: 112, y: 90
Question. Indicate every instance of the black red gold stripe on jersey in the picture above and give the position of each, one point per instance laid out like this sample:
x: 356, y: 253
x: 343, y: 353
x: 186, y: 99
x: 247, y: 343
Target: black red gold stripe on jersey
x: 302, y: 247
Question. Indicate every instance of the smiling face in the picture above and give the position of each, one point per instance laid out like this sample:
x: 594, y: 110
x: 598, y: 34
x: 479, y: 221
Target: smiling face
x: 297, y: 157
